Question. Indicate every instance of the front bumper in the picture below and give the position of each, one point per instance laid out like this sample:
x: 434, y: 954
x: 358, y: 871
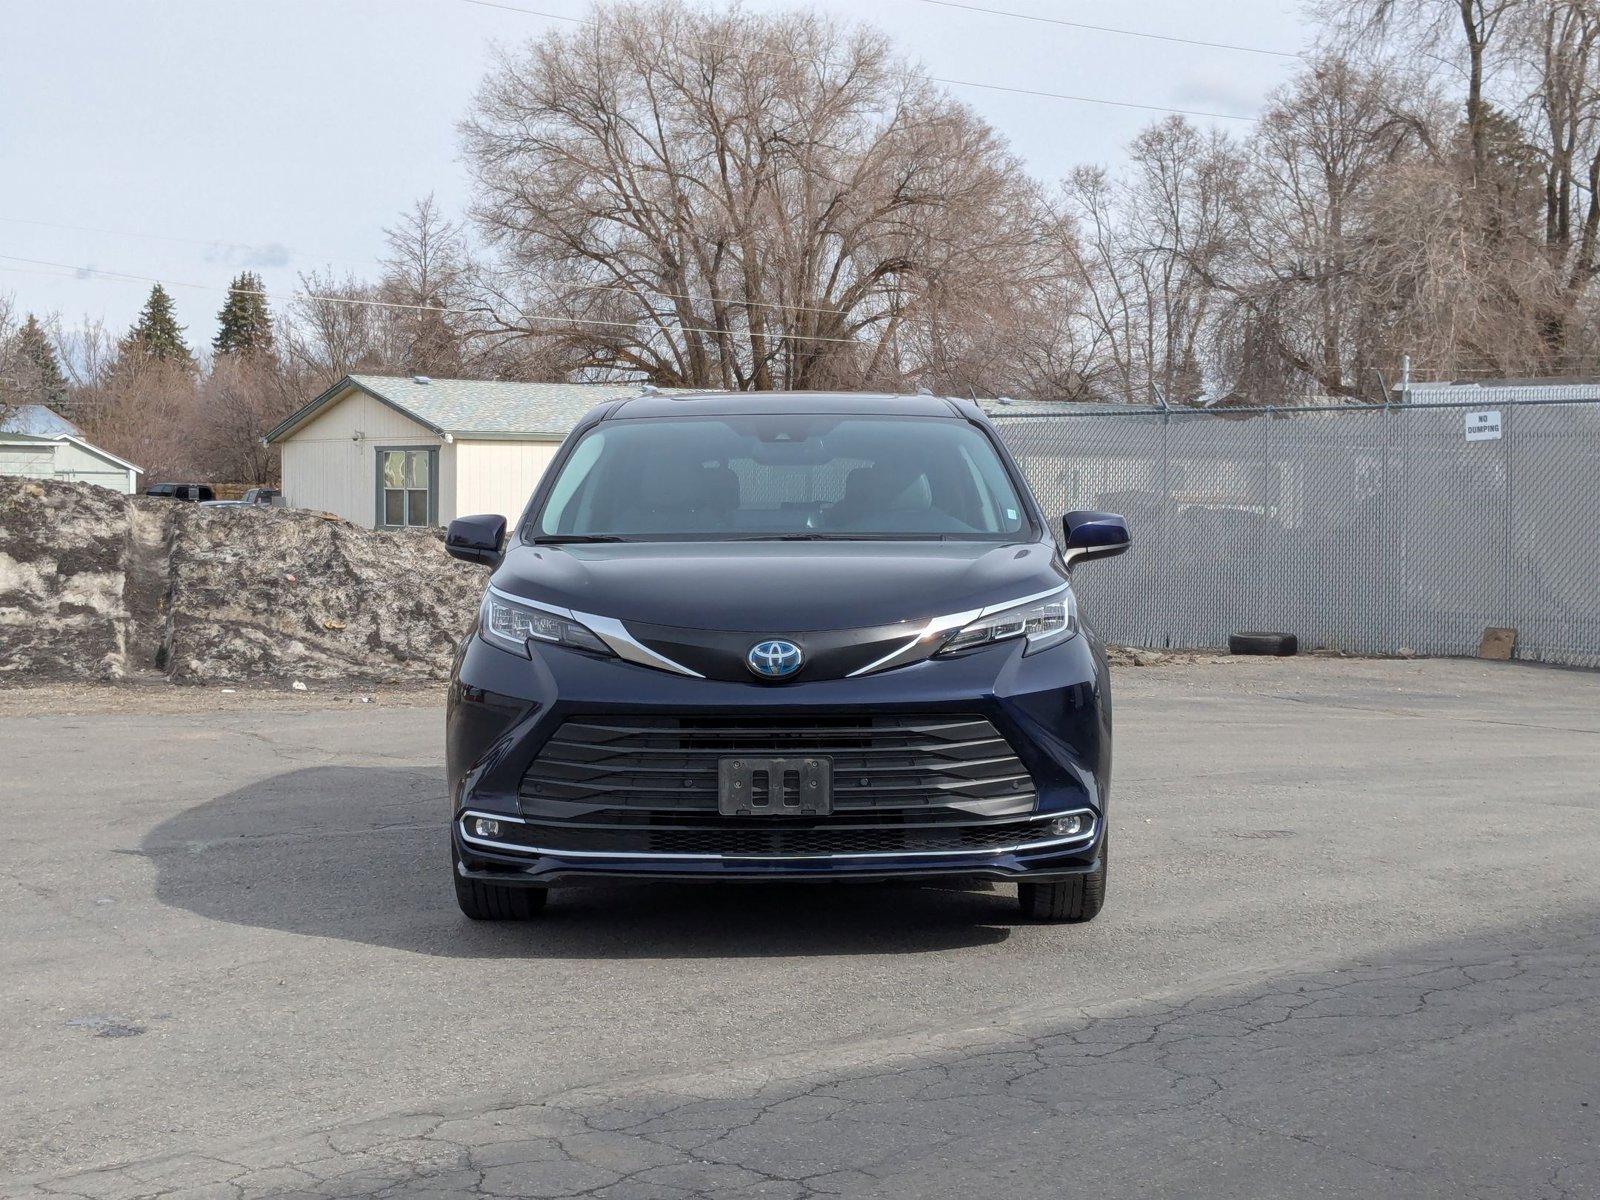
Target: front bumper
x: 1039, y: 856
x: 1052, y: 708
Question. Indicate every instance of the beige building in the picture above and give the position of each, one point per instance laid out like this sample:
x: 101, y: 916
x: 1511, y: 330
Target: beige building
x: 387, y: 452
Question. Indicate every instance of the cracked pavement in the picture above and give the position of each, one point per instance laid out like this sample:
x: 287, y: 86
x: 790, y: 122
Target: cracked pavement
x: 1352, y: 949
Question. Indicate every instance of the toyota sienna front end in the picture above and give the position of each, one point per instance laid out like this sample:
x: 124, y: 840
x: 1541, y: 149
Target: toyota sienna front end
x: 781, y: 636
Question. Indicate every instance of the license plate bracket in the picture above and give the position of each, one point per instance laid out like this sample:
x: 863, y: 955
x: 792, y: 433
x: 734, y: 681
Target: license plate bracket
x: 775, y: 787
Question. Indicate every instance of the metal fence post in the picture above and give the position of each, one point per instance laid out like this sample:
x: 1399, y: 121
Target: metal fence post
x: 1168, y: 522
x: 1386, y: 527
x: 1511, y: 597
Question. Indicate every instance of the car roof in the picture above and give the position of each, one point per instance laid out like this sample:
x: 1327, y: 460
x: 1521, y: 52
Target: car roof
x: 740, y: 404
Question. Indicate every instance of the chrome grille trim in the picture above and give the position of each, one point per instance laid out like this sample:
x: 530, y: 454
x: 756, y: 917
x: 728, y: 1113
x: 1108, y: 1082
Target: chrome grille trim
x: 881, y: 762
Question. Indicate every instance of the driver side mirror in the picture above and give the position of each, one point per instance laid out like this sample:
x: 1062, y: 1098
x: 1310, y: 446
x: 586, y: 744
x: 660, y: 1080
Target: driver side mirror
x: 476, y: 539
x: 1093, y: 535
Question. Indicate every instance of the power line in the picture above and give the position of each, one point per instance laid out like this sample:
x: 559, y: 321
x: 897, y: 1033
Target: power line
x: 1182, y: 112
x: 991, y: 87
x: 79, y: 272
x: 530, y: 12
x: 183, y: 241
x: 1138, y: 33
x: 52, y: 274
x: 624, y: 288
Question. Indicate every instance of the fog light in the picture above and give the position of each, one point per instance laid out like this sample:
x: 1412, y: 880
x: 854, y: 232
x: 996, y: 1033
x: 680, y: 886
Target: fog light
x: 1067, y: 826
x: 485, y: 828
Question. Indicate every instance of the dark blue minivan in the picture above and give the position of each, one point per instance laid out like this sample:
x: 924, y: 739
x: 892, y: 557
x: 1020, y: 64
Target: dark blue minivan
x: 781, y: 636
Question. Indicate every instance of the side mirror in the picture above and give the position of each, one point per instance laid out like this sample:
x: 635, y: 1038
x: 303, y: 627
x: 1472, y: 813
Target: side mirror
x: 1093, y: 535
x: 476, y: 539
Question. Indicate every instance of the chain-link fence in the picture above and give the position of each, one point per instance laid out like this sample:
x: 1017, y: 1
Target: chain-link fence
x: 1372, y: 530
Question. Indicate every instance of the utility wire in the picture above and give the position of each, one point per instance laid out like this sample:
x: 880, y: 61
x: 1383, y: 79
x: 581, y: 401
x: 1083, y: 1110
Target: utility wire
x: 182, y: 241
x: 1138, y: 33
x: 967, y: 83
x: 530, y: 12
x: 626, y: 289
x: 279, y: 297
x: 1182, y: 112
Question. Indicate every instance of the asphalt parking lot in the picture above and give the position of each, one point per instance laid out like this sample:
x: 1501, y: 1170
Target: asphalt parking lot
x: 1351, y: 949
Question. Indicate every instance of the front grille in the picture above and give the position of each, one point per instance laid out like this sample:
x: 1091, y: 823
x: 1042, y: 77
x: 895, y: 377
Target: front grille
x: 880, y: 762
x: 752, y: 839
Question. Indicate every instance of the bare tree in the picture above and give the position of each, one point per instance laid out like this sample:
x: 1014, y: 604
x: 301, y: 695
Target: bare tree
x: 1153, y: 246
x: 428, y: 273
x: 1559, y: 60
x: 169, y: 418
x: 1462, y: 36
x: 1319, y: 155
x: 335, y: 327
x: 9, y: 381
x: 146, y: 410
x: 238, y: 401
x: 741, y: 200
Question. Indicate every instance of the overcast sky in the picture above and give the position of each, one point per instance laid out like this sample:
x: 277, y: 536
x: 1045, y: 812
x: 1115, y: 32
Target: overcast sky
x: 282, y: 135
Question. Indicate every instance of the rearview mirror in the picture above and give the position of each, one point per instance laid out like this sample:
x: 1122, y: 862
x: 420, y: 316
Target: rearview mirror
x: 476, y: 539
x: 1093, y: 535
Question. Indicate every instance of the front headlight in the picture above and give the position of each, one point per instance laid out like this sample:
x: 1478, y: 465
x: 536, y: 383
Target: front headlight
x: 1044, y: 623
x: 510, y: 626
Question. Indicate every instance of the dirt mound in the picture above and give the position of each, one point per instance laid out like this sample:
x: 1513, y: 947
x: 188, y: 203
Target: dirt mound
x: 260, y: 594
x: 94, y: 585
x: 63, y: 561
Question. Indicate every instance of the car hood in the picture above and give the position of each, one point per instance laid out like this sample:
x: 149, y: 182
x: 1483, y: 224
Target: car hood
x: 777, y: 588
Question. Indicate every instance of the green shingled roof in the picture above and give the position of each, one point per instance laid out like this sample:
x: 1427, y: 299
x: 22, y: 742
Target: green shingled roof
x: 469, y: 408
x: 473, y: 407
x: 465, y: 406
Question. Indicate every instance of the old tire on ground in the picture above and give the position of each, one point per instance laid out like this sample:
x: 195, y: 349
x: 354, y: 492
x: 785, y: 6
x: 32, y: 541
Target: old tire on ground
x: 1079, y: 898
x: 1279, y: 644
x: 494, y: 902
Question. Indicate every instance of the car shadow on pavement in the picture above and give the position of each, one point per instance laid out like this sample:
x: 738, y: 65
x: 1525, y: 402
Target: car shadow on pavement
x: 361, y: 854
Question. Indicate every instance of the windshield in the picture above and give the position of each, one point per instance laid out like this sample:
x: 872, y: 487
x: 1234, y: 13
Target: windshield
x: 782, y: 475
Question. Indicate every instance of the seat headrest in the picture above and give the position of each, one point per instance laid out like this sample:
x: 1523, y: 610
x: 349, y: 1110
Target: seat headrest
x: 885, y: 487
x: 675, y: 484
x: 721, y: 487
x: 670, y: 483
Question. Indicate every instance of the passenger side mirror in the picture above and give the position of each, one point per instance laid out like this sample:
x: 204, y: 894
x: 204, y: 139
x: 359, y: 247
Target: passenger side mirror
x: 476, y: 539
x: 1093, y: 535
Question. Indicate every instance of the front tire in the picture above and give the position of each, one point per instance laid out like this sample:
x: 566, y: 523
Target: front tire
x: 496, y: 902
x: 1079, y: 898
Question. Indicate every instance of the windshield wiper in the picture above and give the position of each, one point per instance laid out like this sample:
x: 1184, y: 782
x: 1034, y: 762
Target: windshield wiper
x: 564, y: 539
x: 812, y: 537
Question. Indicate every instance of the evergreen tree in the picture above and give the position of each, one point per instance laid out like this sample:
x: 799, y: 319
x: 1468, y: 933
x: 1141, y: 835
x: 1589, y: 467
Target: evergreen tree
x: 40, y: 377
x: 245, y: 324
x: 157, y: 334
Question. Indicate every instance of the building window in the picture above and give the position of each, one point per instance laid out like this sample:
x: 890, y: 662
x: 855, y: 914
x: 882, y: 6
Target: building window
x: 406, y: 487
